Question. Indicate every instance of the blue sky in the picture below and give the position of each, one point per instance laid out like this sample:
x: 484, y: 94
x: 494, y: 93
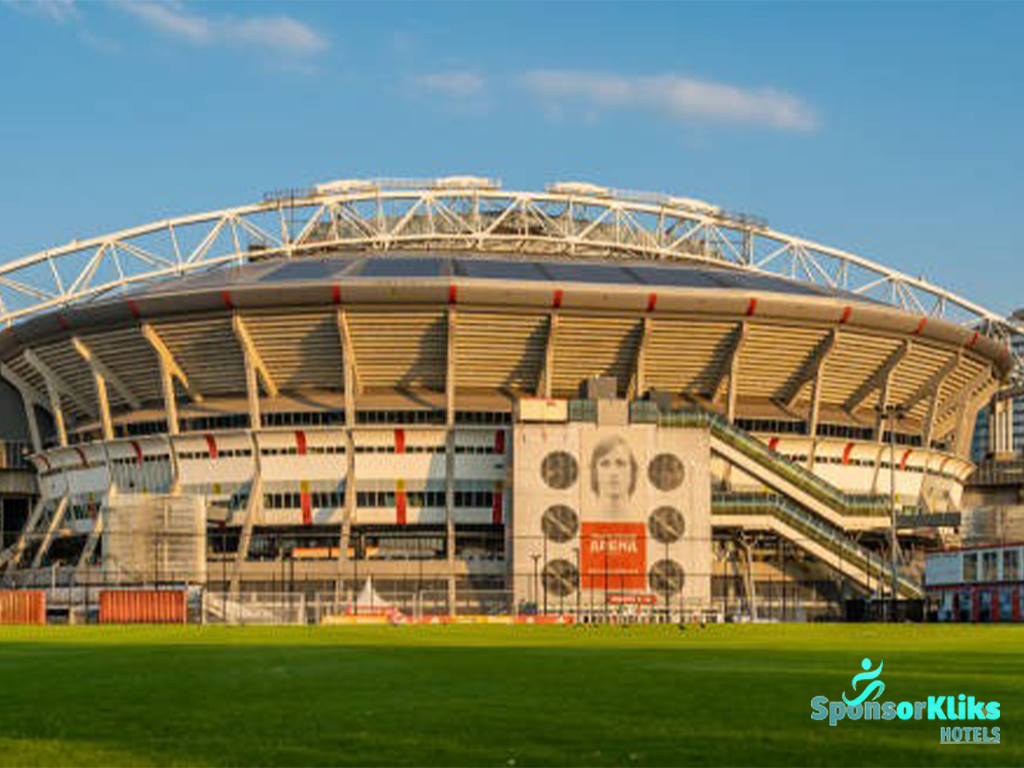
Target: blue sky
x: 892, y: 130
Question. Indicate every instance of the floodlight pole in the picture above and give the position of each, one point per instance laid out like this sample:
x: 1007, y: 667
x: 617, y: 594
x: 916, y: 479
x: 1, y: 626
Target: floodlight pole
x: 895, y: 412
x: 224, y: 570
x: 355, y: 575
x: 667, y: 610
x: 891, y: 413
x: 545, y: 566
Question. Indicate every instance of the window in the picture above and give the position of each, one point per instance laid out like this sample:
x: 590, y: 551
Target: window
x: 303, y: 418
x: 375, y: 498
x: 844, y: 430
x: 971, y: 566
x: 1011, y: 565
x: 209, y: 423
x: 483, y: 417
x: 902, y: 439
x: 778, y: 426
x: 400, y: 417
x: 293, y: 499
x: 990, y: 566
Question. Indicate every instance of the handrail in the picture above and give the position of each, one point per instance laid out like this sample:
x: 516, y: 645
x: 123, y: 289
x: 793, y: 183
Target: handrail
x: 843, y: 503
x: 822, y: 531
x: 818, y: 527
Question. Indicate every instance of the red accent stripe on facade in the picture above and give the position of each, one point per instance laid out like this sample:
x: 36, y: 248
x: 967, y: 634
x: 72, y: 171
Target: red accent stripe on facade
x: 453, y: 294
x: 499, y: 441
x: 499, y: 499
x: 81, y: 455
x: 847, y: 311
x: 773, y: 443
x: 307, y: 508
x: 846, y: 453
x: 556, y: 300
x: 336, y: 294
x: 399, y: 441
x: 652, y: 302
x: 138, y: 452
x: 920, y: 326
x: 134, y: 309
x: 211, y: 444
x: 401, y: 508
x: 225, y: 296
x: 903, y: 461
x: 300, y: 442
x: 974, y: 339
x: 751, y: 307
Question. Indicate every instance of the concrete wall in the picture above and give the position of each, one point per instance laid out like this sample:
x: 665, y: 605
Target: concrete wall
x: 602, y: 507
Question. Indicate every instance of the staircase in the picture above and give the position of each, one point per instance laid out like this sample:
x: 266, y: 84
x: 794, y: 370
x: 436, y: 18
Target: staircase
x: 803, y: 507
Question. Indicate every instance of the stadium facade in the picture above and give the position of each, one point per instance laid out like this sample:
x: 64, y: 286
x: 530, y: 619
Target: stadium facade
x: 562, y: 400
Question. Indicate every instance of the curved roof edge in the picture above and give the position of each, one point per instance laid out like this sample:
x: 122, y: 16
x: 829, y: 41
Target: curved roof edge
x: 504, y: 294
x: 461, y: 213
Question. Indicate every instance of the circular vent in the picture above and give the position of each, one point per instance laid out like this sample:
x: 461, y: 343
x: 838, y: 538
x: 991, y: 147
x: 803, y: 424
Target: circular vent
x: 559, y: 523
x: 560, y: 578
x: 666, y: 577
x: 666, y: 525
x: 559, y: 470
x: 665, y: 472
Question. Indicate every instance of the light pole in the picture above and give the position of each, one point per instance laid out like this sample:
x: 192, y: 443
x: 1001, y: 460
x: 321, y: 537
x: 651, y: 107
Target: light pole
x: 224, y: 566
x: 355, y: 575
x: 606, y: 609
x: 579, y: 582
x: 545, y: 544
x: 893, y: 412
x: 536, y: 581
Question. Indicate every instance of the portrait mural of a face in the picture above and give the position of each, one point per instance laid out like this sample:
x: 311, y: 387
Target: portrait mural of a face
x: 613, y: 513
x: 613, y: 478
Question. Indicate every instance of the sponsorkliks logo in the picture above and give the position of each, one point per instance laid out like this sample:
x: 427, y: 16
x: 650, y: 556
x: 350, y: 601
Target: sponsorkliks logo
x: 865, y: 705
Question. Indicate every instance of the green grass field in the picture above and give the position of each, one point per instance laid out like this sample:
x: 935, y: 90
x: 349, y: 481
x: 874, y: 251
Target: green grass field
x: 490, y: 695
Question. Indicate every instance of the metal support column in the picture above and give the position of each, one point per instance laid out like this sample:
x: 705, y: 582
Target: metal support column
x: 449, y: 456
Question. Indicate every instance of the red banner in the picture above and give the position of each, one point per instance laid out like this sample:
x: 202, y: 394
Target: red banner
x: 614, y: 556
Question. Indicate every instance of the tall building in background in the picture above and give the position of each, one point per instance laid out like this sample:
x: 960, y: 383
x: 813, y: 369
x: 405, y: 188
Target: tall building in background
x: 983, y: 443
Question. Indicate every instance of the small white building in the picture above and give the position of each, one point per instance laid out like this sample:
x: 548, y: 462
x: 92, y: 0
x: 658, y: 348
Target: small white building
x: 976, y: 583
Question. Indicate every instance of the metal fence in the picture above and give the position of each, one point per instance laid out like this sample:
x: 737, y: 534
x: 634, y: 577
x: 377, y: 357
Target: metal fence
x: 301, y: 579
x: 360, y: 602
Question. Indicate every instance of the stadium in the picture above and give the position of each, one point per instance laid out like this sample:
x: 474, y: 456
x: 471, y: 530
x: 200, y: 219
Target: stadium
x: 445, y: 398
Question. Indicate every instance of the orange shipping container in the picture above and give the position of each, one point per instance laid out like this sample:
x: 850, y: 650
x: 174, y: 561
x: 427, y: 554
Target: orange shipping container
x: 143, y: 606
x: 22, y: 607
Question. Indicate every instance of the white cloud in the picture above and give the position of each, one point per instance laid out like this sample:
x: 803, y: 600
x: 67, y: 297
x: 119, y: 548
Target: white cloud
x: 55, y: 10
x: 679, y: 97
x: 172, y: 20
x: 282, y: 34
x: 457, y: 85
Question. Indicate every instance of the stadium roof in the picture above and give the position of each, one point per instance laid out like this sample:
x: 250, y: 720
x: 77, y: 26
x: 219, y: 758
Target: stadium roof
x: 519, y: 268
x: 464, y: 214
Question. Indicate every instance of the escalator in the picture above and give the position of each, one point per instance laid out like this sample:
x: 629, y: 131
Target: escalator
x: 829, y: 544
x: 800, y: 506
